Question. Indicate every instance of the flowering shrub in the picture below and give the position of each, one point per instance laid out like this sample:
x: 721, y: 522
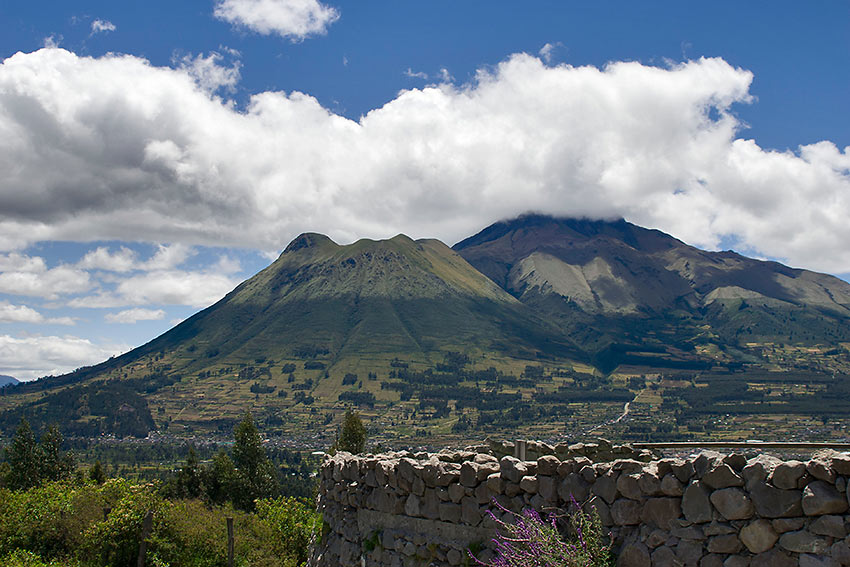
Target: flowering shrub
x: 530, y: 541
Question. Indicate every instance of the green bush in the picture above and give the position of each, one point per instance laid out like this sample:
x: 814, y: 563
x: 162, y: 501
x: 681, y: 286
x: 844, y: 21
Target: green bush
x: 61, y: 524
x: 292, y: 524
x: 115, y: 542
x: 48, y: 520
x: 23, y: 558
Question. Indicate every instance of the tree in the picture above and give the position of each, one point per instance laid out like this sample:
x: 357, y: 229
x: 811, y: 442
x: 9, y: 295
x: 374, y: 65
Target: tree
x: 256, y: 474
x: 219, y: 479
x: 187, y: 483
x: 96, y: 473
x: 55, y: 465
x: 352, y: 438
x: 23, y: 458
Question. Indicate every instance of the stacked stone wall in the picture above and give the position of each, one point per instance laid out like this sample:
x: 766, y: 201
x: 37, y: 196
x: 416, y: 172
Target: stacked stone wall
x: 405, y: 509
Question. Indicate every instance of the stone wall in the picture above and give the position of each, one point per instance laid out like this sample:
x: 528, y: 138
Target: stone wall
x: 405, y: 509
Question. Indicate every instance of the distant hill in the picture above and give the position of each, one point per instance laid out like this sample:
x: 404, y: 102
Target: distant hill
x: 8, y: 381
x: 614, y: 283
x: 512, y: 326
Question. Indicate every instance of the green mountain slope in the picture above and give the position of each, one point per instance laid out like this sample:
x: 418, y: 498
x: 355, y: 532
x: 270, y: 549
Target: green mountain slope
x: 616, y: 287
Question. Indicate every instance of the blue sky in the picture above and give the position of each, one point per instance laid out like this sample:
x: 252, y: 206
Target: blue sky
x: 154, y: 154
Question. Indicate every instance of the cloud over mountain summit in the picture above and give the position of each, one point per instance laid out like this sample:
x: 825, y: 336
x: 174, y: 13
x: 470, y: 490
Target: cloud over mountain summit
x: 114, y: 148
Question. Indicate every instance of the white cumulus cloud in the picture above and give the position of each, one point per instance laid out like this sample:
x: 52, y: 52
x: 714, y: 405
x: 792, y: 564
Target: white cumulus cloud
x: 209, y: 72
x: 101, y: 258
x: 10, y: 313
x: 27, y: 358
x: 102, y: 26
x: 295, y: 19
x: 25, y: 275
x: 175, y: 287
x: 134, y: 315
x: 113, y: 148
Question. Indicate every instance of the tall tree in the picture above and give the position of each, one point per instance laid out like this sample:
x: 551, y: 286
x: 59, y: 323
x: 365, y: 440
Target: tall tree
x: 24, y: 459
x: 352, y: 438
x: 54, y: 464
x: 257, y: 475
x: 189, y: 477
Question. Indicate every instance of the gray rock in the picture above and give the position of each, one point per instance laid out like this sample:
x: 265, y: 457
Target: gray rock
x: 771, y: 502
x: 512, y: 469
x: 548, y: 464
x: 664, y: 557
x: 732, y: 503
x: 782, y: 525
x: 656, y: 538
x: 840, y: 551
x: 469, y: 474
x: 660, y: 512
x: 649, y: 484
x: 412, y: 507
x: 450, y: 512
x: 626, y: 512
x: 736, y: 561
x: 696, y: 505
x: 832, y: 526
x: 807, y: 560
x: 718, y: 528
x: 736, y: 460
x: 456, y: 492
x: 454, y: 557
x: 711, y: 560
x: 605, y: 487
x: 722, y: 476
x: 773, y: 558
x: 759, y: 536
x: 689, y: 552
x: 670, y: 486
x: 821, y: 498
x: 821, y: 469
x: 601, y: 508
x: 787, y: 474
x: 628, y: 486
x: 529, y: 484
x: 495, y: 483
x: 573, y: 486
x: 683, y: 470
x: 724, y: 544
x: 634, y: 554
x: 803, y: 542
x: 841, y: 463
x: 547, y: 488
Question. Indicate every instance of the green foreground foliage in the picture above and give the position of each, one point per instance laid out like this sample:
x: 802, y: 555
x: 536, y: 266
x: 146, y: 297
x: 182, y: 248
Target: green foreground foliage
x: 62, y: 523
x: 51, y: 514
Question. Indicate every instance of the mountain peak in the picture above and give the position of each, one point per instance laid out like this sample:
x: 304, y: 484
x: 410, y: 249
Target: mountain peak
x: 309, y: 240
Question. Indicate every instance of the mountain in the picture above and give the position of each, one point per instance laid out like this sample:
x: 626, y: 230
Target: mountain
x: 535, y: 322
x: 8, y: 381
x: 615, y: 285
x: 310, y: 323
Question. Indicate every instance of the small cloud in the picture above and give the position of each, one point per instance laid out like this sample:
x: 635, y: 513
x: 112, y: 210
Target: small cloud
x: 209, y: 74
x: 445, y: 76
x: 295, y: 19
x: 130, y: 316
x: 52, y: 41
x: 548, y: 50
x: 124, y: 260
x: 168, y: 256
x: 416, y: 75
x: 102, y: 26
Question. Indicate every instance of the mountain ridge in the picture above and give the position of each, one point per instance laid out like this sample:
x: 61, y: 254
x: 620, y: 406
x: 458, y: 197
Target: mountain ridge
x: 588, y: 300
